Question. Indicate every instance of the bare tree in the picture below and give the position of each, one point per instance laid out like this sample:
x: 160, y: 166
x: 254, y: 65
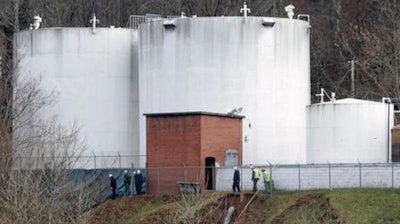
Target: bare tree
x: 36, y: 156
x: 40, y: 188
x: 40, y: 185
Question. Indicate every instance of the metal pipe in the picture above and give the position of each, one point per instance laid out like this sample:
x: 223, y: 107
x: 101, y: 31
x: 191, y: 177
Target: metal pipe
x: 388, y: 134
x: 228, y: 216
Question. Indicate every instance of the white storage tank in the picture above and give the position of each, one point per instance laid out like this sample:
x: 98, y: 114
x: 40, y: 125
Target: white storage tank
x: 213, y: 63
x: 349, y: 131
x: 96, y: 77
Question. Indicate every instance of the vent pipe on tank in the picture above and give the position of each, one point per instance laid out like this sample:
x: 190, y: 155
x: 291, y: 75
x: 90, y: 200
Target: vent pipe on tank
x: 245, y: 10
x: 183, y: 15
x: 289, y: 10
x: 94, y: 21
x: 36, y: 23
x: 324, y: 93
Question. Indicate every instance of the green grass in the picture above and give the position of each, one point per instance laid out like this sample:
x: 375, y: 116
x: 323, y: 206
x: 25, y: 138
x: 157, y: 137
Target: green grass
x: 367, y: 206
x: 352, y: 206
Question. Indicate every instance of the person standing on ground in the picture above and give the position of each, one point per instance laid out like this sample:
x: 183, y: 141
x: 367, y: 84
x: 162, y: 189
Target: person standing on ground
x: 134, y: 183
x: 267, y: 179
x: 236, y: 180
x: 127, y: 182
x: 138, y: 182
x: 113, y: 185
x: 255, y: 176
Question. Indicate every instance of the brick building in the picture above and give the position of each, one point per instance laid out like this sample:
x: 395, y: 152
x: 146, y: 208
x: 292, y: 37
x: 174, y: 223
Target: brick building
x: 184, y: 148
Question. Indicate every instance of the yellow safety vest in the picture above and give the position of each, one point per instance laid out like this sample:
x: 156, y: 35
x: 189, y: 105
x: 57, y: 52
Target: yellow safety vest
x: 267, y: 176
x: 256, y: 173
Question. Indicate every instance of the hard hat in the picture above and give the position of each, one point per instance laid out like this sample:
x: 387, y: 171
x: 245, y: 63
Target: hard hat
x: 235, y: 168
x: 125, y: 171
x: 110, y: 175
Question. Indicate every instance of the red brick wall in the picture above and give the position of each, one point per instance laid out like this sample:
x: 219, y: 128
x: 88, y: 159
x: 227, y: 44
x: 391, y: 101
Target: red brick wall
x: 219, y: 134
x: 172, y: 141
x: 177, y: 146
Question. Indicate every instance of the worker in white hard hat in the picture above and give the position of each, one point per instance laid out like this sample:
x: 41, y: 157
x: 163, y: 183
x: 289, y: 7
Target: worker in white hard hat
x: 267, y: 179
x: 127, y: 182
x: 255, y: 176
x: 236, y: 180
x: 113, y: 185
x: 139, y: 180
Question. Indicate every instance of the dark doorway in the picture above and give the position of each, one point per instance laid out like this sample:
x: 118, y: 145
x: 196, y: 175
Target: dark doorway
x: 395, y: 153
x: 210, y: 165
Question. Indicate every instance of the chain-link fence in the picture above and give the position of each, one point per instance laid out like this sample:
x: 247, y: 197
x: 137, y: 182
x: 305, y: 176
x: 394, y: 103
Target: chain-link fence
x: 162, y: 180
x: 284, y: 177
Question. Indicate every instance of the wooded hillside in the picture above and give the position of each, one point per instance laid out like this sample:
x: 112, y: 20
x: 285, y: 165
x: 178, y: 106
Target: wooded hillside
x: 364, y: 30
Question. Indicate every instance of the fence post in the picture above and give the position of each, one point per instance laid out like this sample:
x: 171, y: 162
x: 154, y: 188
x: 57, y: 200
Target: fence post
x: 329, y: 174
x: 241, y: 177
x: 298, y: 165
x: 392, y: 176
x: 271, y: 182
x: 94, y: 157
x: 360, y: 172
x: 119, y: 160
x: 184, y: 172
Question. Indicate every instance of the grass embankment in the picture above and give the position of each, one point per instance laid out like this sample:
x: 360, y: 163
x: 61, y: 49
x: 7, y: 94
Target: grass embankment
x: 308, y: 207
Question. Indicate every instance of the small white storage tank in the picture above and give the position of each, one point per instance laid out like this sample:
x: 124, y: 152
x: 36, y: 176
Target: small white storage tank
x: 349, y: 131
x: 95, y: 75
x: 214, y: 63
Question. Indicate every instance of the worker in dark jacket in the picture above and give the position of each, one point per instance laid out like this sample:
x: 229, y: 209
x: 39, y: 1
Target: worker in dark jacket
x: 139, y: 179
x: 127, y: 182
x: 236, y: 180
x: 113, y: 185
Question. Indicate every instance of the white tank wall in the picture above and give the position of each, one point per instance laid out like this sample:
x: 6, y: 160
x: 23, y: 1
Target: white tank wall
x: 211, y: 64
x: 349, y: 131
x: 96, y: 77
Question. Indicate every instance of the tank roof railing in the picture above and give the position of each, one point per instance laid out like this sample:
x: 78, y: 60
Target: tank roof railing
x: 136, y: 20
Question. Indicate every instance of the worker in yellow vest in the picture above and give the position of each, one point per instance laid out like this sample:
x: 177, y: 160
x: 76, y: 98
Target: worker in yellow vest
x: 267, y: 179
x: 255, y: 176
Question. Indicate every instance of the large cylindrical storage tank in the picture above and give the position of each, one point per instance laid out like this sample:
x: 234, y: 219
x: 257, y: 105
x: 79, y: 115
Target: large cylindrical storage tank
x: 214, y: 63
x: 349, y: 131
x: 95, y: 76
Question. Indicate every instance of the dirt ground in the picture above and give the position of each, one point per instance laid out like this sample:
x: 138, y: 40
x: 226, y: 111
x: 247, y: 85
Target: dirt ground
x: 249, y: 208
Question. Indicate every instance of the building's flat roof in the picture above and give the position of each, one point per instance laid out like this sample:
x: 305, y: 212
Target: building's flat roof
x: 193, y: 113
